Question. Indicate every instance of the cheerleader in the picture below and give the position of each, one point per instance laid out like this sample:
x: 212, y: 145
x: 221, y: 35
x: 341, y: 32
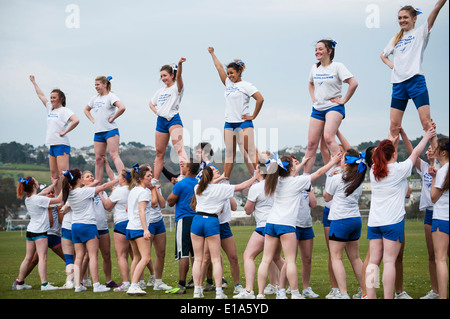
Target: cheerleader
x: 238, y: 119
x: 439, y: 227
x: 165, y: 104
x: 407, y: 76
x: 60, y: 121
x: 386, y: 217
x: 36, y: 237
x: 205, y: 229
x: 103, y: 105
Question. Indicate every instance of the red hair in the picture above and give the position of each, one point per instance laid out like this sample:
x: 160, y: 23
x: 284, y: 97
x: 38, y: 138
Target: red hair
x: 382, y: 155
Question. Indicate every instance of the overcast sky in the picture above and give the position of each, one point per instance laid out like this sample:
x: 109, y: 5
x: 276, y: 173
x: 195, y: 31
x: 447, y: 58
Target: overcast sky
x: 66, y: 44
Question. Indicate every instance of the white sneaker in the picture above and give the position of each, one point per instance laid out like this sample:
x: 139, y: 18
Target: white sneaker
x: 430, y: 295
x: 238, y: 289
x: 161, y: 286
x: 358, y: 295
x: 296, y: 295
x: 198, y: 293
x: 135, y: 290
x: 244, y: 294
x: 48, y: 287
x: 87, y: 283
x: 338, y: 295
x: 270, y: 289
x: 402, y: 295
x: 260, y: 296
x: 309, y: 293
x: 332, y: 293
x: 155, y: 182
x: 68, y: 285
x: 281, y: 294
x: 221, y: 295
x: 151, y: 281
x: 24, y: 286
x: 122, y: 287
x: 101, y: 288
x: 80, y: 289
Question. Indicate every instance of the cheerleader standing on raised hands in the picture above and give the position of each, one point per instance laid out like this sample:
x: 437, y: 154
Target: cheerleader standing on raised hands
x: 238, y: 119
x: 166, y: 104
x: 407, y: 77
x: 60, y: 121
x: 106, y: 137
x: 439, y: 227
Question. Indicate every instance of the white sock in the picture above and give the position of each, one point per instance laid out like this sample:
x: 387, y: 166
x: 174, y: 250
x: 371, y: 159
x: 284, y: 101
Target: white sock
x: 218, y: 289
x: 295, y: 292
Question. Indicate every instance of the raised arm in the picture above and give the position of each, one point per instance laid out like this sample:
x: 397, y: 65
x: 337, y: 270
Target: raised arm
x: 433, y: 15
x: 421, y: 146
x: 345, y: 144
x: 408, y: 146
x: 334, y: 160
x: 39, y: 92
x: 218, y: 65
x: 247, y: 183
x: 179, y: 78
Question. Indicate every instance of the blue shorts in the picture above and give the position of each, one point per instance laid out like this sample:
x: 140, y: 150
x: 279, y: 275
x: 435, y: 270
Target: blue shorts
x: 414, y: 88
x: 278, y: 230
x: 53, y: 241
x: 58, y: 150
x: 320, y: 115
x: 225, y: 231
x: 261, y: 231
x: 392, y: 232
x: 304, y: 233
x: 238, y: 126
x: 35, y: 236
x: 428, y: 217
x: 157, y: 228
x: 163, y: 125
x: 66, y: 233
x: 82, y: 233
x: 347, y: 229
x: 103, y: 136
x: 205, y: 226
x: 441, y: 224
x: 325, y: 221
x: 134, y: 234
x: 121, y: 227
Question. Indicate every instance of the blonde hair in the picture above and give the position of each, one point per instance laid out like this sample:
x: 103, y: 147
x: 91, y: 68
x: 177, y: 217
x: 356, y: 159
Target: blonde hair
x: 105, y: 80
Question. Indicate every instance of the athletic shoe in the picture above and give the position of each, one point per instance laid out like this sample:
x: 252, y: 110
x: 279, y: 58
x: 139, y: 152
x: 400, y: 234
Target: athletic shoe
x: 402, y: 295
x: 270, y: 289
x: 161, y: 286
x: 155, y: 182
x: 244, y: 294
x: 238, y: 289
x: 224, y: 283
x: 309, y: 293
x: 179, y: 290
x: 198, y: 293
x: 358, y: 295
x: 23, y: 286
x: 209, y: 287
x: 101, y: 288
x: 281, y: 294
x: 338, y: 295
x: 112, y: 284
x: 87, y: 283
x: 151, y: 281
x: 221, y: 295
x: 430, y: 295
x: 122, y: 287
x: 135, y: 290
x: 297, y: 295
x: 190, y: 284
x: 48, y: 287
x: 80, y: 289
x: 260, y: 296
x: 68, y: 285
x: 332, y: 293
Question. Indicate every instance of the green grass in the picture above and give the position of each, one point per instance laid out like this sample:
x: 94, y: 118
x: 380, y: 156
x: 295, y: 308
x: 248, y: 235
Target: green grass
x: 12, y: 251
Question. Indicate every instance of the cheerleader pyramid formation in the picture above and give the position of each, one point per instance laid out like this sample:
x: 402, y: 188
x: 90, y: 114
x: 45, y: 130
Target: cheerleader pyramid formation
x: 280, y: 192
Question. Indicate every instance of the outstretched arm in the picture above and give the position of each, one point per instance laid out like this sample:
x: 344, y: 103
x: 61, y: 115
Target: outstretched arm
x: 179, y: 78
x: 218, y: 65
x: 433, y: 15
x: 39, y: 92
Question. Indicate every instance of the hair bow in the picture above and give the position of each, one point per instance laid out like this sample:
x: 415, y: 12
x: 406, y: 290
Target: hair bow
x: 277, y: 160
x: 109, y: 78
x: 24, y: 180
x: 136, y: 167
x: 128, y: 174
x: 240, y: 63
x: 361, y: 161
x: 334, y: 43
x: 68, y: 173
x: 174, y: 67
x: 418, y: 11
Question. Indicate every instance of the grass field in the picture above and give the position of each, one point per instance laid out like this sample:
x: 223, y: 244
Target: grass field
x: 12, y: 251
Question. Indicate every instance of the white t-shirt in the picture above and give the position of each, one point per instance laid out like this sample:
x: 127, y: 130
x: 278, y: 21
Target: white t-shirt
x: 167, y: 101
x: 37, y: 207
x: 427, y: 180
x: 263, y: 204
x: 329, y: 175
x: 408, y: 53
x: 388, y: 195
x: 55, y: 229
x: 287, y: 196
x: 343, y: 206
x: 82, y: 204
x: 237, y: 98
x: 441, y: 206
x: 225, y: 215
x: 155, y: 213
x: 328, y: 83
x: 67, y: 220
x: 57, y: 121
x: 213, y: 198
x: 304, y: 219
x: 138, y: 194
x: 100, y: 212
x: 120, y: 196
x: 102, y: 108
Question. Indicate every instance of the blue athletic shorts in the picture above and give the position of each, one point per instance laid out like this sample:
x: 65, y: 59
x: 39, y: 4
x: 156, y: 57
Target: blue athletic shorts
x: 441, y: 224
x: 81, y: 233
x: 163, y: 125
x: 325, y: 221
x: 157, y: 228
x: 103, y: 136
x: 261, y: 231
x: 414, y: 88
x: 66, y: 233
x: 58, y: 150
x: 134, y: 234
x: 347, y: 229
x: 392, y: 232
x: 121, y: 227
x: 304, y: 233
x: 428, y: 217
x: 205, y: 226
x: 320, y: 115
x: 238, y: 126
x: 225, y: 231
x: 278, y: 230
x: 53, y: 241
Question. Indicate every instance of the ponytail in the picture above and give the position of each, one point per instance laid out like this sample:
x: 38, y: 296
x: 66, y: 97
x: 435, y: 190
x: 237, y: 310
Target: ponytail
x: 273, y: 172
x: 207, y: 177
x: 382, y: 155
x: 354, y: 173
x: 69, y: 181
